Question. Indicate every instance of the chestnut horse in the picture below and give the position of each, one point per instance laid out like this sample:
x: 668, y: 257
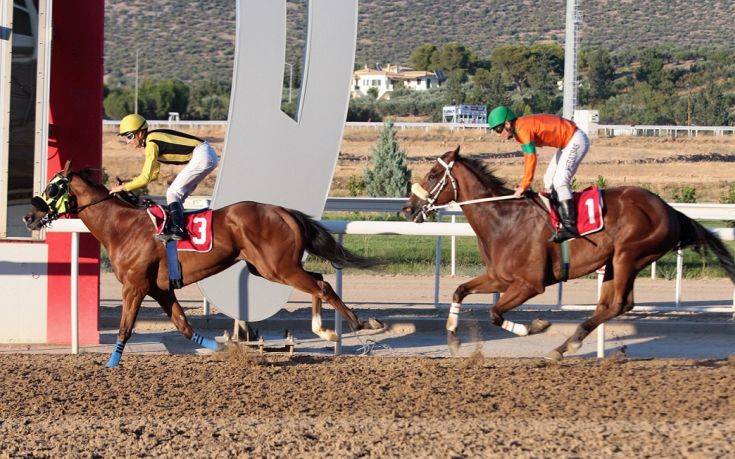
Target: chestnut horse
x: 513, y: 236
x: 271, y: 239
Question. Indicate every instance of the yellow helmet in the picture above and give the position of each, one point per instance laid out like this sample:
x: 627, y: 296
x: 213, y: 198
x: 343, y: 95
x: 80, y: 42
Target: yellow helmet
x: 132, y: 123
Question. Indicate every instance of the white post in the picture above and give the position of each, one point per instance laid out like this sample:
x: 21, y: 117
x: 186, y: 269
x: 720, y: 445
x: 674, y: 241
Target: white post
x: 437, y: 269
x: 437, y: 264
x: 653, y: 270
x: 679, y: 274
x: 559, y: 294
x: 74, y: 296
x: 601, y: 327
x: 206, y: 310
x: 337, y: 316
x: 454, y: 249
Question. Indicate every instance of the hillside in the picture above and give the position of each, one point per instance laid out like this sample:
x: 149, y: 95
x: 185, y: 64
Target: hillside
x: 194, y: 40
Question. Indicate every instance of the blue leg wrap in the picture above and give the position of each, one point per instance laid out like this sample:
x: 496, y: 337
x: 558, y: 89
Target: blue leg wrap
x: 205, y: 342
x: 116, y: 355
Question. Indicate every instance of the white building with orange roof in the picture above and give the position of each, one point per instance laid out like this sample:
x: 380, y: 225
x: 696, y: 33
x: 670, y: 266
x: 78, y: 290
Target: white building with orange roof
x: 391, y: 77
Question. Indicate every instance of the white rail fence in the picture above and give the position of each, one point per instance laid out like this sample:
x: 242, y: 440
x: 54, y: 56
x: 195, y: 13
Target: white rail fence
x: 437, y: 229
x: 607, y: 130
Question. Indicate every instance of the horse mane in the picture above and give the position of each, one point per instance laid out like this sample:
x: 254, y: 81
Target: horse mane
x: 86, y: 175
x: 485, y: 175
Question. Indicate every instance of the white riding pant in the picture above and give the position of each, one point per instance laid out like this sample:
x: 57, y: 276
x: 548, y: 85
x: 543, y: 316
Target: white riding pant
x: 563, y: 165
x: 203, y: 161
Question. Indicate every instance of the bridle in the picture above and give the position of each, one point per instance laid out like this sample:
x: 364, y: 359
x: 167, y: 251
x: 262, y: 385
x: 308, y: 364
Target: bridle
x: 431, y: 196
x: 56, y: 191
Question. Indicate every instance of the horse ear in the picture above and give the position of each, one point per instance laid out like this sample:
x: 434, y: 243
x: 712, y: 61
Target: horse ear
x: 453, y: 155
x: 67, y: 168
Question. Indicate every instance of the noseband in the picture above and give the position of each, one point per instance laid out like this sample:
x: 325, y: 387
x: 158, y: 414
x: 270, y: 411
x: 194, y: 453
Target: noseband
x: 431, y: 196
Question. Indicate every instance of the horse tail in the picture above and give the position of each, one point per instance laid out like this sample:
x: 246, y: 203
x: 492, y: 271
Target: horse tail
x: 701, y: 239
x: 318, y: 241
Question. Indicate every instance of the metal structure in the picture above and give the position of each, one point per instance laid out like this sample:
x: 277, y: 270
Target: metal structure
x: 571, y: 44
x: 607, y: 130
x: 51, y: 67
x: 465, y: 114
x: 268, y: 156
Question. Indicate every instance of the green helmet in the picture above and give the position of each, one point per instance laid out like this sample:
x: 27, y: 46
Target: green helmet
x: 500, y: 115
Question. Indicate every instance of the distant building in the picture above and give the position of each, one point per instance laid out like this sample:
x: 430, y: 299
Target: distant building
x: 390, y: 78
x: 465, y: 114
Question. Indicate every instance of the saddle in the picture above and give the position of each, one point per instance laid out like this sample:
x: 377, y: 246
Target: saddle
x: 198, y: 226
x: 590, y: 207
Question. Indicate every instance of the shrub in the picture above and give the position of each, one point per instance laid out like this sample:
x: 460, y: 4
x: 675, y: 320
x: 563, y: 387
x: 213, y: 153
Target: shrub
x: 356, y: 185
x: 686, y: 194
x: 390, y: 176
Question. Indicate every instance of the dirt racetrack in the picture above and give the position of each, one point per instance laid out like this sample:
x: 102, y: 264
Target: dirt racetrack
x: 234, y: 404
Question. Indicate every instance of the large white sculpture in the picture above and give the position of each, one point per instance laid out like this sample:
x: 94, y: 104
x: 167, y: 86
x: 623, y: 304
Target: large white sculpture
x: 269, y: 157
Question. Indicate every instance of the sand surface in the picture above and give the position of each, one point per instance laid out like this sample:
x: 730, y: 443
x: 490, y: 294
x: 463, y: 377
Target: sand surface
x: 235, y: 404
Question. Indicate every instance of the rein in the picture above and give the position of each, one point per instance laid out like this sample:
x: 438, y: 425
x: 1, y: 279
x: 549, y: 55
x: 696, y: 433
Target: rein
x: 79, y: 209
x: 431, y: 196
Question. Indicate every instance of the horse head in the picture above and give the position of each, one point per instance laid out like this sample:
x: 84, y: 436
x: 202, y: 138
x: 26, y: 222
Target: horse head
x: 58, y: 198
x: 438, y: 187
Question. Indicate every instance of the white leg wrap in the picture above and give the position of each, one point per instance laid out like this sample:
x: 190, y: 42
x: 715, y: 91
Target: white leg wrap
x: 453, y: 318
x: 316, y: 324
x: 518, y: 329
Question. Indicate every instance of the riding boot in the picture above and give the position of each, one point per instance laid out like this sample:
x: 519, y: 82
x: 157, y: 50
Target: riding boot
x: 177, y: 230
x: 568, y: 217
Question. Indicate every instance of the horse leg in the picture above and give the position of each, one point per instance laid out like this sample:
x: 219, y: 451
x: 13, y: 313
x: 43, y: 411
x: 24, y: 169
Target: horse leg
x: 616, y: 298
x: 132, y: 297
x: 320, y: 291
x: 175, y: 312
x: 480, y: 284
x: 515, y: 295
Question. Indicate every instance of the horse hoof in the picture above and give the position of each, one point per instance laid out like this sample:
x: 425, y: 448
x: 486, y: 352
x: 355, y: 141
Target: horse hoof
x: 454, y: 344
x: 329, y: 336
x: 375, y: 324
x: 538, y: 326
x: 554, y: 356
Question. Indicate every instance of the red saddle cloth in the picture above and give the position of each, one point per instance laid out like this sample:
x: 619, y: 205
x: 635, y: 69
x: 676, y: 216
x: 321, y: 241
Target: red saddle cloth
x: 198, y: 225
x: 589, y: 211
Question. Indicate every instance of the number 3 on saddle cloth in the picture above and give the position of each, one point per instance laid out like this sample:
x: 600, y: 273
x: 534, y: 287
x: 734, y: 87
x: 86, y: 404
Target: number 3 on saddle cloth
x: 589, y: 211
x: 199, y: 228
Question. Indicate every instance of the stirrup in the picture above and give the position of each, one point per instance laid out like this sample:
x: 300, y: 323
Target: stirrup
x: 177, y: 234
x: 162, y: 237
x: 564, y: 235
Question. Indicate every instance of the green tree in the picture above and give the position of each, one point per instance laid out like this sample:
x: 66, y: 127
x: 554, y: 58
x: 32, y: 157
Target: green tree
x: 487, y: 88
x: 709, y: 107
x: 453, y: 56
x: 651, y: 69
x: 454, y: 91
x: 209, y: 100
x: 118, y: 103
x: 513, y: 62
x: 389, y: 176
x: 600, y: 74
x: 421, y: 58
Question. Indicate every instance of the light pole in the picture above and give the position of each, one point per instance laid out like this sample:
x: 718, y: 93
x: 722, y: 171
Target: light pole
x: 290, y: 80
x: 136, y: 81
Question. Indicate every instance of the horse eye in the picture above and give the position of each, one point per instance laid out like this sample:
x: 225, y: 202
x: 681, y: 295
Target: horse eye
x: 52, y: 191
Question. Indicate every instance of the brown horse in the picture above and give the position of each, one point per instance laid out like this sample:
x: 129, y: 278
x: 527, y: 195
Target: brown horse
x: 271, y: 239
x: 513, y: 237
